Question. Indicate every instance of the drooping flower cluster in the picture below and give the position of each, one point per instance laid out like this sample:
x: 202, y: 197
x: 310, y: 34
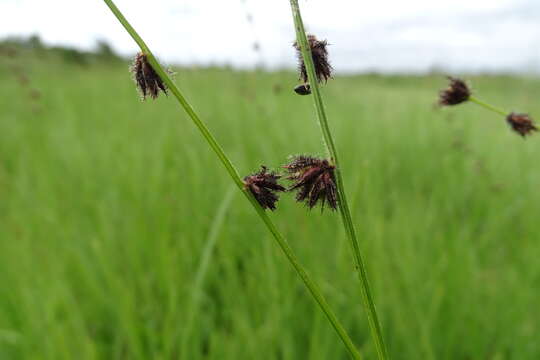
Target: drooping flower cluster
x: 314, y: 181
x: 457, y: 92
x: 147, y: 80
x: 521, y: 123
x: 312, y: 178
x: 323, y: 69
x: 263, y: 186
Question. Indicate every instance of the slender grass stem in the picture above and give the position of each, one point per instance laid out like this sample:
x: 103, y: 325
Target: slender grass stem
x: 367, y: 297
x: 488, y: 106
x: 200, y: 275
x: 282, y: 242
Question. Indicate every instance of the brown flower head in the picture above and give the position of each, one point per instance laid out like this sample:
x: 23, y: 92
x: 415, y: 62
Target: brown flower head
x: 456, y: 93
x: 314, y: 180
x: 263, y: 186
x: 323, y: 69
x: 147, y: 80
x: 521, y: 123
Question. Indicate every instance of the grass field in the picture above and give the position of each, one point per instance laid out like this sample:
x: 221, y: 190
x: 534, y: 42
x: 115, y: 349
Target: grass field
x: 122, y: 237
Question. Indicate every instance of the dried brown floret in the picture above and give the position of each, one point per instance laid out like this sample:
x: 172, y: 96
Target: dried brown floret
x: 263, y: 186
x: 319, y: 53
x: 147, y: 80
x: 521, y: 123
x: 314, y: 181
x: 457, y: 92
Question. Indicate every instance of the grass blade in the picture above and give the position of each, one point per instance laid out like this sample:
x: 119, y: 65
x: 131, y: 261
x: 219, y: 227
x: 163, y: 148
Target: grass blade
x: 196, y: 290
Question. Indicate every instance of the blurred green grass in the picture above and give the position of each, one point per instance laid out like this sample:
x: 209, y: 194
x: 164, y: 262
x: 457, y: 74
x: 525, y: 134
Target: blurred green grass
x: 107, y: 205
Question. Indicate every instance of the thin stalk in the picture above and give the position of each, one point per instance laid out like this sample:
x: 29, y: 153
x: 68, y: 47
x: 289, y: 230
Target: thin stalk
x: 282, y: 242
x: 367, y: 297
x: 200, y: 274
x: 487, y: 106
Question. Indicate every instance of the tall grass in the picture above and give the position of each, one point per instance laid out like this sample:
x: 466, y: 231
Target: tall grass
x: 100, y: 246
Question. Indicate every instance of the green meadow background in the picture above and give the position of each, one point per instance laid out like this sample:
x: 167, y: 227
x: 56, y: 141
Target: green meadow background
x: 122, y: 237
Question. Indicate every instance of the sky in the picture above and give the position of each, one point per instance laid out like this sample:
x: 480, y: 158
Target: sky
x: 382, y: 35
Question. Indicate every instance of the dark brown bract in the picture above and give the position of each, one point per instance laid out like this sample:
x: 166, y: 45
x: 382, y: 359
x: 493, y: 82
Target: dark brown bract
x: 147, y: 80
x: 303, y: 89
x: 521, y: 123
x: 457, y: 92
x: 263, y: 186
x: 323, y: 69
x: 314, y: 181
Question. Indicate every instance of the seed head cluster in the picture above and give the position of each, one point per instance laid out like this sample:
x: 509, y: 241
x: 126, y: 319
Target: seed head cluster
x: 147, y: 80
x: 521, y: 123
x: 457, y: 92
x: 319, y: 52
x: 264, y: 186
x: 314, y: 181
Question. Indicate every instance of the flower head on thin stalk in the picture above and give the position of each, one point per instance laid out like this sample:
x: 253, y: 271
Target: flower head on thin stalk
x: 319, y: 53
x: 314, y: 181
x: 521, y: 123
x: 457, y: 92
x: 263, y: 186
x: 147, y: 80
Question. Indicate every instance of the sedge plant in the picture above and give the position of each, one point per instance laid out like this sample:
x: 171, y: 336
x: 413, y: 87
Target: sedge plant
x: 161, y: 81
x: 314, y: 77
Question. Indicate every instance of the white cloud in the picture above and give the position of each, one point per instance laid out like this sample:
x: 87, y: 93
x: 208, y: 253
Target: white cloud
x: 385, y: 34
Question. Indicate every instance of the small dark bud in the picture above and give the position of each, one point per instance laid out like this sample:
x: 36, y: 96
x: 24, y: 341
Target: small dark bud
x: 264, y: 187
x: 314, y: 181
x: 521, y: 123
x: 323, y: 69
x: 456, y: 93
x: 303, y: 89
x: 147, y: 80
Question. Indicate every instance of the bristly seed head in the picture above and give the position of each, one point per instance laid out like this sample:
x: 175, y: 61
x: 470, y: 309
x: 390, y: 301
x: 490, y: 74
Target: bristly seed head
x: 457, y: 92
x: 147, y: 80
x: 323, y: 69
x: 314, y: 181
x: 521, y: 123
x: 263, y: 186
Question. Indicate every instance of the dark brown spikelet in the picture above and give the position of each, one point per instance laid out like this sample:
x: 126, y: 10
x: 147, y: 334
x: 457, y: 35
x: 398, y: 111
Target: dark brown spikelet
x: 264, y: 187
x: 457, y: 92
x: 314, y: 181
x: 303, y: 89
x: 147, y: 80
x: 521, y: 123
x: 323, y: 69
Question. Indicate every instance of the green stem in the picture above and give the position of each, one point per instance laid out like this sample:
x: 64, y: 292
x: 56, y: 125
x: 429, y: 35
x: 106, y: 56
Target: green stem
x: 367, y: 297
x: 488, y: 106
x: 207, y: 253
x: 282, y: 242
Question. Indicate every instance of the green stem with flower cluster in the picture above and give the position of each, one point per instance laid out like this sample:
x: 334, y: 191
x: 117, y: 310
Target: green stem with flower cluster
x: 487, y: 106
x: 367, y: 296
x: 282, y: 242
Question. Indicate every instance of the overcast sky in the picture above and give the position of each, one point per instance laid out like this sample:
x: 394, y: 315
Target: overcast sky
x: 384, y: 35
